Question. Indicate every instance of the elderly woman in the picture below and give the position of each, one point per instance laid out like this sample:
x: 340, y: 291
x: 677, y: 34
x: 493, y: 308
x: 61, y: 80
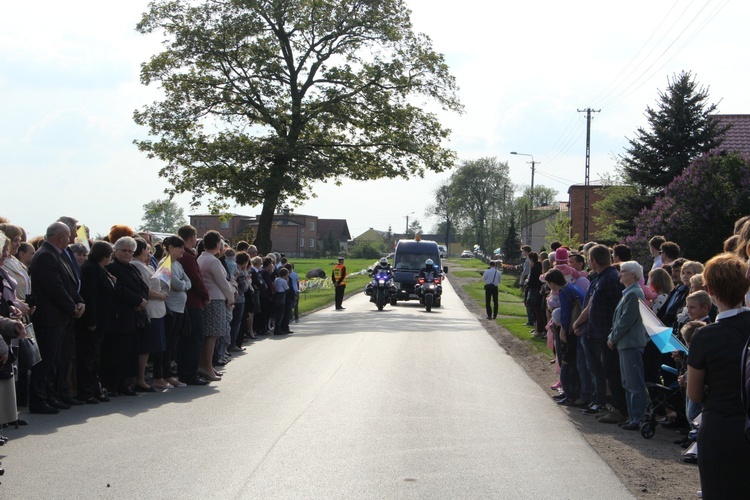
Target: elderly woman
x: 216, y: 313
x: 10, y: 327
x: 713, y: 378
x: 154, y: 337
x: 120, y: 349
x: 15, y: 274
x: 97, y: 291
x: 628, y: 336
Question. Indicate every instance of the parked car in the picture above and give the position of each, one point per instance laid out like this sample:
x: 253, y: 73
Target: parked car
x: 443, y: 251
x: 467, y: 254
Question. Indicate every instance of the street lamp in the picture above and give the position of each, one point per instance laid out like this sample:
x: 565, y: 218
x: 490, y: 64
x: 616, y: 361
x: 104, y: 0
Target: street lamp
x: 529, y: 224
x: 406, y: 232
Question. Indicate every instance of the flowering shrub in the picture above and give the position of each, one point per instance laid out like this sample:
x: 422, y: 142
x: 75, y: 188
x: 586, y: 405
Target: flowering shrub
x: 698, y: 208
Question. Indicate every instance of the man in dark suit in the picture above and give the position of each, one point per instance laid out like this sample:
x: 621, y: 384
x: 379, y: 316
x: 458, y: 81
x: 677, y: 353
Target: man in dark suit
x: 54, y: 286
x: 67, y: 349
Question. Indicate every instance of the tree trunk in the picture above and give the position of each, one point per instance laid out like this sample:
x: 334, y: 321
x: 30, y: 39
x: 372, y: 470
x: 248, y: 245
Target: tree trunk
x: 265, y: 223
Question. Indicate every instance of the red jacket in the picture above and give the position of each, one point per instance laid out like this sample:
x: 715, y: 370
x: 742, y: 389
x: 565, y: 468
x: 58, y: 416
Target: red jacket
x: 197, y: 296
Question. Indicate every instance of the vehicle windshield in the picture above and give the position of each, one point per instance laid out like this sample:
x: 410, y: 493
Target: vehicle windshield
x: 413, y: 260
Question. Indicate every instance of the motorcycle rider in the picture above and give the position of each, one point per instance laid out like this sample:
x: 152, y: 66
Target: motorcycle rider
x: 429, y: 271
x: 382, y: 265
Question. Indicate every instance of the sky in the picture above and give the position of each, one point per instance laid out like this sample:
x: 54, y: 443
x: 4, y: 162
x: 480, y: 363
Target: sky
x: 69, y: 83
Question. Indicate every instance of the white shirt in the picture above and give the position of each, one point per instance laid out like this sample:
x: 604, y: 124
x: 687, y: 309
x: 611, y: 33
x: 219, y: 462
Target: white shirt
x: 491, y: 276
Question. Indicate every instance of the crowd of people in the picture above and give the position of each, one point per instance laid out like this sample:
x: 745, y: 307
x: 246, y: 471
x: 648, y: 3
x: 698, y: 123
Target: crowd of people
x: 590, y: 304
x: 101, y: 313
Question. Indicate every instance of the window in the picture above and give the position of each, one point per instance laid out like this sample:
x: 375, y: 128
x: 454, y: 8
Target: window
x: 312, y: 227
x: 312, y: 243
x: 302, y: 242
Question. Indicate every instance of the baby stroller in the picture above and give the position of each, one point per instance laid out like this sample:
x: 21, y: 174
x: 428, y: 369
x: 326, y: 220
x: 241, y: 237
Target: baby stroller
x: 663, y: 399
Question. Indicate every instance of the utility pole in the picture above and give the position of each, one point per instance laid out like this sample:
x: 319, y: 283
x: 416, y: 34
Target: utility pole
x: 529, y: 223
x: 588, y: 112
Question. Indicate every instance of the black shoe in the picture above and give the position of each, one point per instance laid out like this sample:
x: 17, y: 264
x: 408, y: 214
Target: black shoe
x: 70, y: 400
x: 56, y: 403
x: 92, y: 401
x: 194, y: 380
x: 558, y: 397
x: 104, y: 399
x: 632, y: 426
x: 138, y: 388
x: 563, y: 401
x: 20, y: 422
x: 289, y: 332
x: 43, y: 409
x: 126, y: 391
x: 690, y: 458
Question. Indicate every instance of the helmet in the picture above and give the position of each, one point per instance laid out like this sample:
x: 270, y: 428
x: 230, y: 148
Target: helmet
x: 383, y: 261
x: 429, y: 263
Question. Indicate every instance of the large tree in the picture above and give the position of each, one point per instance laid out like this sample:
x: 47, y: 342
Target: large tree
x: 264, y: 97
x: 163, y: 216
x: 478, y: 188
x: 680, y: 129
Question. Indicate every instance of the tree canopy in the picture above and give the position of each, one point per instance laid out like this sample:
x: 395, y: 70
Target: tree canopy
x: 162, y: 216
x: 699, y: 207
x: 681, y: 129
x: 264, y: 97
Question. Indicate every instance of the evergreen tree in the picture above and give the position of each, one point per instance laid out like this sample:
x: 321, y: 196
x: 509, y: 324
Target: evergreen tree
x: 680, y: 129
x: 512, y: 246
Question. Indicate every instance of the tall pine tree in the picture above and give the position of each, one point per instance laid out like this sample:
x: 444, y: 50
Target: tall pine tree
x: 680, y: 129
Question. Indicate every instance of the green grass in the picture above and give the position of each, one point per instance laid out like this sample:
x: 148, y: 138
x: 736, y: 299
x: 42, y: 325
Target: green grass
x: 321, y: 297
x: 510, y: 305
x: 465, y: 274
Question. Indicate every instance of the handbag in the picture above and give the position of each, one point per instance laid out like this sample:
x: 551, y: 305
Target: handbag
x: 28, y: 349
x: 6, y: 369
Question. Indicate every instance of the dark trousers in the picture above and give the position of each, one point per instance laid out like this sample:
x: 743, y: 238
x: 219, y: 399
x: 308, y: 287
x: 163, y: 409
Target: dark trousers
x: 279, y: 305
x: 189, y: 345
x: 88, y: 357
x: 535, y: 302
x: 566, y: 357
x: 339, y: 297
x: 288, y: 305
x: 238, y: 318
x: 260, y: 321
x: 594, y: 349
x: 42, y: 384
x: 490, y: 293
x: 175, y: 327
x: 65, y: 358
x: 614, y: 379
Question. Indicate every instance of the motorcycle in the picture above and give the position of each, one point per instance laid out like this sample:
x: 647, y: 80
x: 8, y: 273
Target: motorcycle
x: 429, y: 291
x: 381, y: 289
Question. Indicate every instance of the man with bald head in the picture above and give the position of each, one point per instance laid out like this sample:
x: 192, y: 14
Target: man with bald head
x: 55, y: 292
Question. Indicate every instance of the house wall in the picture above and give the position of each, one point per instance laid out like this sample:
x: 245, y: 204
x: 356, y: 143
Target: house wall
x: 576, y: 209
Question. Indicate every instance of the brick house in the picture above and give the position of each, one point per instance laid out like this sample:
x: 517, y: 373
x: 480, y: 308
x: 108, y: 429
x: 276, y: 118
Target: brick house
x: 576, y: 208
x: 295, y: 235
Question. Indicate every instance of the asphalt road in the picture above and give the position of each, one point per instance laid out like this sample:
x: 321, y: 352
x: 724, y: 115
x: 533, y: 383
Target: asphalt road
x: 356, y: 404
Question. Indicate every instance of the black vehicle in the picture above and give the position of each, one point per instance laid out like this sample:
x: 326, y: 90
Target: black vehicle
x: 408, y: 260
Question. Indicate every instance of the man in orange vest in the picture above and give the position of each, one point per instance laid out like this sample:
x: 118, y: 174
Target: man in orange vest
x: 339, y: 281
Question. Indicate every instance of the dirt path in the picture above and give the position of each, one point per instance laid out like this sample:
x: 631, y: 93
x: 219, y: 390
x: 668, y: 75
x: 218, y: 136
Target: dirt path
x: 651, y: 468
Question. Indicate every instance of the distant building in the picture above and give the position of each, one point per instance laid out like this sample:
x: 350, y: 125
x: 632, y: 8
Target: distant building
x: 576, y: 209
x: 295, y: 235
